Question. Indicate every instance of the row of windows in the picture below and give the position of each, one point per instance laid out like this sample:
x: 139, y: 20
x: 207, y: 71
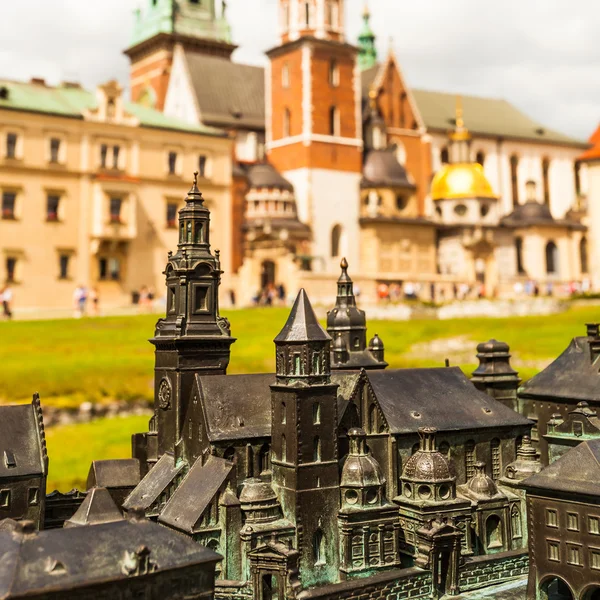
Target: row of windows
x: 55, y: 148
x: 552, y: 257
x: 307, y: 14
x: 573, y: 521
x: 33, y: 497
x: 574, y: 554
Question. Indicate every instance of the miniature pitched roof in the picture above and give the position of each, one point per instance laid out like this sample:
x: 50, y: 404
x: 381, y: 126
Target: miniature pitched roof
x: 440, y: 397
x: 195, y: 493
x: 302, y: 324
x: 80, y: 557
x: 572, y: 376
x: 154, y: 483
x: 235, y: 95
x: 116, y: 473
x: 576, y: 472
x: 22, y: 441
x: 98, y: 507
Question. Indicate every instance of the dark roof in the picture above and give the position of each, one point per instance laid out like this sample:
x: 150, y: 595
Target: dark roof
x: 116, y: 473
x: 228, y: 93
x: 154, y: 483
x: 22, y: 443
x: 265, y: 175
x: 236, y: 406
x: 302, y: 324
x: 576, y: 472
x: 382, y: 169
x: 441, y: 397
x: 97, y: 507
x: 571, y: 376
x: 195, y: 493
x: 79, y: 557
x: 536, y: 213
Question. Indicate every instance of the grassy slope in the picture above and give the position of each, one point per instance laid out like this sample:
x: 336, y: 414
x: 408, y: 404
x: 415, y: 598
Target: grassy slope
x: 94, y: 359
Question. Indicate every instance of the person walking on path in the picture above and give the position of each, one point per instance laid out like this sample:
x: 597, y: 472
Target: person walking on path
x: 6, y: 296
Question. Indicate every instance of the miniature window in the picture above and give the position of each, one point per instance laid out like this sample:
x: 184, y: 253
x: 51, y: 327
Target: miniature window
x: 109, y: 269
x: 572, y: 521
x: 334, y: 121
x: 551, y: 258
x: 285, y: 76
x: 316, y: 413
x: 460, y: 210
x: 9, y: 202
x: 470, y: 458
x: 63, y: 266
x: 172, y: 215
x: 401, y: 201
x: 103, y: 155
x: 334, y: 73
x: 595, y: 558
x: 496, y: 459
x: 116, y: 152
x: 11, y: 269
x: 283, y: 414
x: 4, y: 498
x: 52, y: 204
x: 553, y: 550
x: 573, y: 555
x: 172, y: 162
x: 33, y: 496
x: 202, y: 161
x: 319, y: 547
x: 551, y: 517
x: 283, y: 449
x: 480, y: 157
x: 116, y: 204
x: 317, y: 449
x: 11, y: 145
x: 54, y: 150
x: 516, y: 522
x: 594, y: 525
x: 444, y: 156
x: 287, y: 118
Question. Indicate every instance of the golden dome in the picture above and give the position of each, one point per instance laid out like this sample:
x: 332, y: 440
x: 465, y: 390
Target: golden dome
x: 461, y: 180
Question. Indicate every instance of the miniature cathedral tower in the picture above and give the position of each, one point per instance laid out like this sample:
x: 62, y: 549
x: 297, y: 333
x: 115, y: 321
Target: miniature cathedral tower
x: 314, y: 125
x: 367, y: 51
x: 347, y: 325
x: 193, y: 338
x: 304, y: 441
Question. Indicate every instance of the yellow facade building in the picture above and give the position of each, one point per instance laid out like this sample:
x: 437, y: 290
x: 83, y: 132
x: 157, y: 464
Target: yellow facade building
x: 90, y: 186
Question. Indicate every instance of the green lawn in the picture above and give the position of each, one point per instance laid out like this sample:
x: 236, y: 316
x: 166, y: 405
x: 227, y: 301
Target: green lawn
x: 100, y: 359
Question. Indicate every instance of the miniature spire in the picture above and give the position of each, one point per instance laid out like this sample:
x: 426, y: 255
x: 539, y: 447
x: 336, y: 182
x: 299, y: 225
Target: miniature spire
x: 367, y: 51
x: 345, y: 289
x: 194, y: 195
x: 302, y: 324
x: 460, y: 136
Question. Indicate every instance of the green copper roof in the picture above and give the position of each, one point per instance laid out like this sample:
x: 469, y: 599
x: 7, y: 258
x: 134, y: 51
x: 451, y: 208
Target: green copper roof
x: 182, y: 17
x: 367, y: 52
x: 72, y: 101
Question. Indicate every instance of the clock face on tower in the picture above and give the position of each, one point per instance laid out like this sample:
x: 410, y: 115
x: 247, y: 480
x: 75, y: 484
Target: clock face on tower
x: 164, y: 394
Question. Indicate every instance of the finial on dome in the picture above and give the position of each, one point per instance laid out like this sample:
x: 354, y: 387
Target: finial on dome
x: 194, y: 195
x: 459, y: 113
x: 344, y: 263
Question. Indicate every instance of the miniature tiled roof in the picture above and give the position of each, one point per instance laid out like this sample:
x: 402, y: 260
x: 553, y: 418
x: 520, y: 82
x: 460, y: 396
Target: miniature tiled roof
x: 194, y: 494
x: 153, y: 483
x: 21, y: 441
x: 576, y: 472
x: 572, y: 376
x: 227, y: 93
x: 302, y: 324
x: 115, y: 473
x: 440, y: 397
x: 72, y: 101
x: 97, y: 507
x: 31, y: 563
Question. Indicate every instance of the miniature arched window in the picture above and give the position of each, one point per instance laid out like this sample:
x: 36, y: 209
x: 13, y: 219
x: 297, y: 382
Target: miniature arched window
x: 287, y: 122
x: 336, y: 235
x: 317, y: 449
x: 334, y: 73
x: 285, y: 75
x: 515, y: 521
x: 551, y: 258
x: 546, y: 179
x: 316, y: 413
x: 496, y: 459
x: 319, y: 547
x: 480, y: 157
x: 283, y: 449
x: 264, y: 459
x: 372, y: 418
x: 283, y: 413
x: 444, y: 156
x: 583, y: 255
x: 514, y: 179
x: 493, y: 532
x: 470, y: 459
x: 334, y: 121
x: 316, y: 363
x: 519, y: 251
x: 229, y: 454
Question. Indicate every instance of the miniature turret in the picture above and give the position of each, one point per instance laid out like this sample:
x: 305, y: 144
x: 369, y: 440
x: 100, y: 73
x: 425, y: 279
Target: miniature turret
x: 347, y: 325
x: 494, y: 375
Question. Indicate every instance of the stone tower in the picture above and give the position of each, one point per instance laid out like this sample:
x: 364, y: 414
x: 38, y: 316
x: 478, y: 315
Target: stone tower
x: 314, y: 137
x: 193, y: 337
x: 347, y: 325
x: 161, y: 24
x: 304, y: 441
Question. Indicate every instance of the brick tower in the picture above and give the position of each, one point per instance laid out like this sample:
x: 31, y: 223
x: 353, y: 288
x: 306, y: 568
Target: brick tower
x: 161, y: 24
x: 313, y: 118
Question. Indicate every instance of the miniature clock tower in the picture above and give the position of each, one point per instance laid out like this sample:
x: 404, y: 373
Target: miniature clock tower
x: 313, y: 118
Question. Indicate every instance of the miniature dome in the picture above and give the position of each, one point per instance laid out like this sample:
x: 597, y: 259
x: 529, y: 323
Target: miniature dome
x: 492, y: 347
x: 265, y: 175
x: 461, y: 180
x: 482, y: 484
x: 427, y: 464
x: 256, y: 490
x: 527, y: 462
x: 376, y: 343
x: 382, y: 169
x: 360, y: 469
x: 494, y: 360
x: 345, y: 313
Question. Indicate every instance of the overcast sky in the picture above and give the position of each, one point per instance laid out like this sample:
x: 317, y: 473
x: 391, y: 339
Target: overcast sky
x: 542, y: 55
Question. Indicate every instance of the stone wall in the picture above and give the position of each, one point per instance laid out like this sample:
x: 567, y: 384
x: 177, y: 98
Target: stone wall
x: 392, y: 585
x: 482, y: 571
x: 232, y: 590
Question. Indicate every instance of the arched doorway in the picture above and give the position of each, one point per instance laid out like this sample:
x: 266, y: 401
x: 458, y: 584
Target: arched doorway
x: 493, y: 534
x: 267, y: 274
x: 554, y: 588
x: 591, y: 593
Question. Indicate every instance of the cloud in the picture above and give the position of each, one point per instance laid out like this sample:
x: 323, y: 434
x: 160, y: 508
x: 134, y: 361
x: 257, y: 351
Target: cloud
x: 539, y: 54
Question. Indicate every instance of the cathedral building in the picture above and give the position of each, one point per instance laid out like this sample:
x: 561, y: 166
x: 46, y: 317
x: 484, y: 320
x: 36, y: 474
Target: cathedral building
x: 415, y: 472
